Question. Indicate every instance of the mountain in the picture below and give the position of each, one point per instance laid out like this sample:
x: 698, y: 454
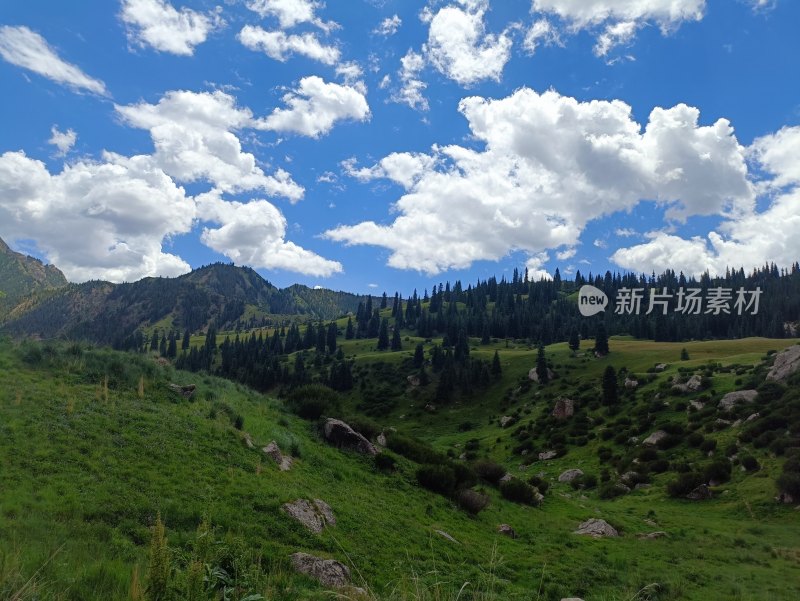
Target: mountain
x: 223, y: 295
x: 22, y: 276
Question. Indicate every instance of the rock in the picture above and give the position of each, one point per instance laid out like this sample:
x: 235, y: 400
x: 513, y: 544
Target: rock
x: 693, y: 384
x: 343, y: 436
x: 413, y: 380
x: 721, y: 423
x: 631, y: 383
x: 661, y: 367
x: 381, y: 440
x: 652, y: 535
x: 752, y: 418
x: 507, y: 530
x: 444, y: 534
x: 701, y: 493
x: 328, y: 572
x: 430, y: 408
x: 506, y: 478
x: 785, y: 497
x: 655, y: 437
x: 532, y: 375
x: 273, y: 451
x: 248, y: 441
x: 564, y: 408
x: 506, y: 421
x: 596, y: 528
x: 696, y: 404
x: 641, y: 486
x: 730, y: 400
x: 547, y: 455
x: 462, y: 457
x: 314, y: 516
x: 185, y: 391
x: 629, y: 478
x: 786, y: 363
x: 570, y: 475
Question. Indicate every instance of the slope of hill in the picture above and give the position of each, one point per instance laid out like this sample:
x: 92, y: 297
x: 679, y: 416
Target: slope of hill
x: 22, y: 276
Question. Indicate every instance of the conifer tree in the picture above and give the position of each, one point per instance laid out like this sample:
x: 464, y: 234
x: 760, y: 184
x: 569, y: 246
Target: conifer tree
x: 496, y: 367
x: 397, y: 345
x: 383, y: 335
x: 610, y: 392
x: 541, y: 366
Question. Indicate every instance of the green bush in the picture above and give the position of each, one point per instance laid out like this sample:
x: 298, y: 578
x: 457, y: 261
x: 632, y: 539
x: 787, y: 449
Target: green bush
x: 789, y: 482
x: 312, y: 401
x: 518, y: 491
x: 610, y: 490
x: 719, y: 470
x: 413, y: 449
x: 368, y: 428
x: 437, y: 478
x: 750, y: 463
x: 489, y: 470
x: 472, y: 501
x: 385, y: 463
x: 684, y: 484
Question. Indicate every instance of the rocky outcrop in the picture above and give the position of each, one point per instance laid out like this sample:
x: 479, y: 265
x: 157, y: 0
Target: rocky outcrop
x: 507, y: 421
x: 534, y: 376
x: 693, y: 384
x: 631, y: 383
x: 786, y: 363
x: 596, y: 528
x: 730, y: 400
x: 564, y: 408
x: 570, y: 475
x: 546, y: 455
x: 655, y: 437
x: 661, y: 367
x: 328, y: 572
x: 507, y: 530
x: 701, y: 493
x: 273, y: 451
x: 341, y: 435
x: 413, y: 380
x: 185, y: 391
x: 314, y: 515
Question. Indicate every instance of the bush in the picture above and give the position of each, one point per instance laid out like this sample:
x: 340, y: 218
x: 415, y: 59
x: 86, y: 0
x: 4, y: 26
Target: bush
x: 368, y: 428
x: 489, y: 470
x: 312, y: 401
x: 472, y: 501
x: 708, y: 445
x: 518, y: 491
x: 385, y: 463
x: 465, y: 476
x: 770, y: 391
x: 695, y: 439
x: 789, y: 482
x: 719, y: 470
x: 684, y: 484
x: 466, y: 426
x: 659, y: 466
x: 609, y: 490
x: 539, y: 484
x: 437, y: 478
x: 413, y: 449
x: 750, y: 464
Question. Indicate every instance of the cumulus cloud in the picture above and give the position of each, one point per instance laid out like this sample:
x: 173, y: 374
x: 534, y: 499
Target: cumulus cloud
x: 63, y: 140
x: 778, y: 154
x: 96, y: 220
x: 281, y: 46
x: 193, y: 134
x: 459, y: 47
x: 404, y: 168
x: 290, y: 12
x: 618, y: 20
x: 253, y: 233
x: 27, y: 49
x: 158, y: 24
x: 550, y: 164
x: 389, y: 26
x: 541, y: 32
x: 315, y: 106
x: 411, y: 91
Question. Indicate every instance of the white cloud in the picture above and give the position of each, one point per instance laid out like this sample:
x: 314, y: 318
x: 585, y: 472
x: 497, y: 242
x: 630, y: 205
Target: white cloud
x: 389, y: 26
x: 778, y: 154
x: 253, y: 233
x: 280, y: 46
x: 566, y: 254
x: 158, y: 24
x: 63, y: 140
x: 551, y: 164
x: 351, y: 72
x: 412, y: 90
x: 459, y: 47
x: 600, y: 243
x: 194, y: 141
x: 405, y: 168
x: 541, y: 32
x: 290, y: 12
x: 315, y: 106
x: 96, y: 220
x: 618, y: 20
x: 625, y: 232
x: 535, y: 267
x: 27, y: 49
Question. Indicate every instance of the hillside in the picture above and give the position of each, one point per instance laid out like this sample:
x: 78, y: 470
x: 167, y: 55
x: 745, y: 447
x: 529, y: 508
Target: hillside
x: 21, y: 277
x: 121, y: 448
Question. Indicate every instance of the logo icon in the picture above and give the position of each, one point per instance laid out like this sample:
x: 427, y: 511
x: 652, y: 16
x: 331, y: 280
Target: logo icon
x: 591, y: 300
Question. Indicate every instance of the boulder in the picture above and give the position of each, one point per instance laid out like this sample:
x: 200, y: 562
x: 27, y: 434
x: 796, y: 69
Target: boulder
x: 570, y: 475
x: 328, y: 572
x: 343, y: 436
x: 785, y: 497
x: 273, y: 451
x: 631, y: 383
x: 185, y: 391
x: 751, y: 418
x: 693, y: 384
x: 413, y: 380
x: 655, y: 437
x: 651, y: 535
x: 506, y: 421
x: 248, y: 441
x: 430, y: 408
x: 661, y: 367
x: 786, y: 363
x: 506, y: 478
x: 532, y: 375
x: 545, y: 455
x: 445, y: 535
x: 730, y: 400
x: 596, y: 528
x: 629, y: 478
x: 696, y: 404
x: 314, y: 516
x: 701, y: 493
x: 381, y: 440
x: 507, y: 530
x: 564, y: 408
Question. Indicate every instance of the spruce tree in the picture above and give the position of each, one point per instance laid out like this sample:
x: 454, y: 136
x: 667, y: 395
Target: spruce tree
x: 187, y: 340
x: 419, y: 355
x: 610, y: 392
x: 332, y: 332
x: 496, y: 367
x: 383, y: 335
x: 397, y: 345
x: 541, y: 366
x: 349, y: 333
x: 574, y: 340
x: 601, y: 340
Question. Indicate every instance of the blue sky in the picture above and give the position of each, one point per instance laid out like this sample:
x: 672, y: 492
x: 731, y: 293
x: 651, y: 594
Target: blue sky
x: 377, y: 145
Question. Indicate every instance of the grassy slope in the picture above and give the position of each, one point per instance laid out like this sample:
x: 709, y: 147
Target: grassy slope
x: 90, y: 474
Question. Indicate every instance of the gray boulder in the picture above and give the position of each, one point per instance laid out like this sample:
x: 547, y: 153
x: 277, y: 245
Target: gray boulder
x: 546, y: 455
x: 730, y: 400
x: 655, y: 437
x: 701, y: 493
x: 273, y: 451
x: 631, y: 383
x: 570, y: 475
x: 652, y: 535
x: 328, y: 572
x: 661, y: 367
x: 507, y: 421
x: 446, y: 536
x: 533, y: 375
x: 507, y: 530
x: 596, y: 528
x: 341, y: 435
x: 786, y: 363
x: 314, y: 516
x: 564, y: 408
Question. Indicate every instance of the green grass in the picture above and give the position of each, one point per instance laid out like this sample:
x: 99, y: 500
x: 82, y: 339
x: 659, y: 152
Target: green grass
x: 84, y: 472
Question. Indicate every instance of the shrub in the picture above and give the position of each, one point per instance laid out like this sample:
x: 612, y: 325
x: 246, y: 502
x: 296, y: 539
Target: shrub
x: 684, y: 484
x: 437, y: 478
x: 385, y: 463
x: 238, y: 422
x: 695, y: 439
x: 472, y: 501
x: 789, y: 482
x: 770, y: 391
x: 609, y: 490
x: 365, y: 426
x: 465, y: 476
x: 708, y: 445
x: 731, y: 449
x: 518, y: 491
x: 489, y: 470
x: 466, y: 426
x: 719, y: 470
x: 413, y: 449
x: 750, y: 464
x: 659, y: 466
x: 312, y: 401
